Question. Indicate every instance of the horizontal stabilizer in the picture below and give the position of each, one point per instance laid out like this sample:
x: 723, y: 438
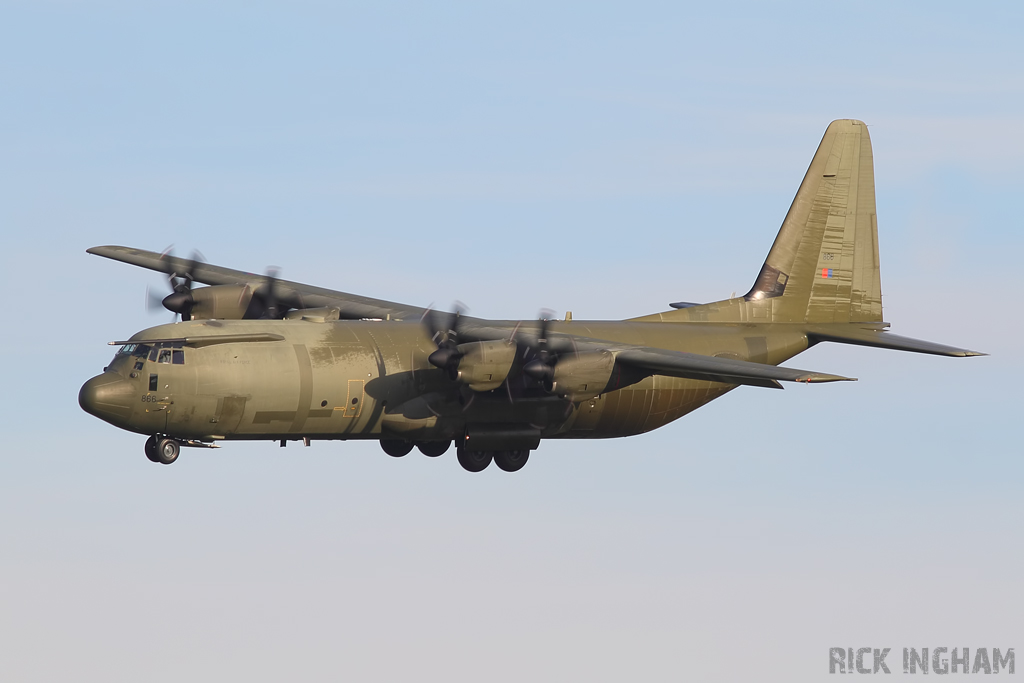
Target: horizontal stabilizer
x: 861, y: 336
x: 714, y: 369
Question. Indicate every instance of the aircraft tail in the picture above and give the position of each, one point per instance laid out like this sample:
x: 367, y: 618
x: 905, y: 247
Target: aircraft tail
x: 822, y: 270
x: 823, y: 266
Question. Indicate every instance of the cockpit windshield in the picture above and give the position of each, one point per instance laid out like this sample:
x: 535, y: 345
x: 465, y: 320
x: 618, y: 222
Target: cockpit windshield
x: 159, y: 353
x: 133, y: 350
x: 128, y: 350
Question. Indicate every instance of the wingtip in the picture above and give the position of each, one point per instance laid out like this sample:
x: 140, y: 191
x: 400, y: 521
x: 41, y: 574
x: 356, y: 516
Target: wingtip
x: 100, y: 249
x: 821, y: 378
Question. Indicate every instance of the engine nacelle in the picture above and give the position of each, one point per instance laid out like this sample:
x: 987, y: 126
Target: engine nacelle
x: 223, y: 302
x: 486, y: 364
x: 323, y: 314
x: 582, y: 377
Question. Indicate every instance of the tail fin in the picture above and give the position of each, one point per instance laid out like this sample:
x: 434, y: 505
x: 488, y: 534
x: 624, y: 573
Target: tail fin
x: 823, y: 266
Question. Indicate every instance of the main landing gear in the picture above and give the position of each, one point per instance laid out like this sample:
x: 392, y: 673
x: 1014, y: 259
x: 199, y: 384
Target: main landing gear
x: 471, y: 461
x: 477, y: 461
x: 396, y: 448
x: 162, y: 450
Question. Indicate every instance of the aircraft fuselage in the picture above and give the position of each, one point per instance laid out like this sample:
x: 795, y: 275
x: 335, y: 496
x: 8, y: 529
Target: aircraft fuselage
x: 371, y: 380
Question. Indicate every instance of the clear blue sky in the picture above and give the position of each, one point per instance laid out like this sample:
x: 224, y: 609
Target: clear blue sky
x: 594, y: 157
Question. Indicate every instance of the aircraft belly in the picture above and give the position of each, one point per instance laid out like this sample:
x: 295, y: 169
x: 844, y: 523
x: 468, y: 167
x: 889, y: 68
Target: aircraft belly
x: 642, y: 407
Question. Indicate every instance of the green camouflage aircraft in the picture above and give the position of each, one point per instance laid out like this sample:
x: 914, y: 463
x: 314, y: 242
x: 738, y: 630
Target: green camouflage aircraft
x: 257, y: 357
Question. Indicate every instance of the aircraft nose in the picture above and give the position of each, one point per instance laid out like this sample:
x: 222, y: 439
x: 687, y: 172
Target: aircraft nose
x: 108, y: 397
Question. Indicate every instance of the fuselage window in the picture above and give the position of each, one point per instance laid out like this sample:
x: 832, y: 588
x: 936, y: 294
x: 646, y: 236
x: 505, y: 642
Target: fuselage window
x: 165, y: 356
x: 179, y: 357
x: 152, y: 382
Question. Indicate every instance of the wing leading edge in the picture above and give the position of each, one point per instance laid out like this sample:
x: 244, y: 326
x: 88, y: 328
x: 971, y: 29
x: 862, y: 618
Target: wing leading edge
x: 298, y: 295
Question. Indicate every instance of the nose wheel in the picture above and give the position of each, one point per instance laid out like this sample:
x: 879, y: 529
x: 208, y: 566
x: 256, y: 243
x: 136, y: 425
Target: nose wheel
x: 162, y: 450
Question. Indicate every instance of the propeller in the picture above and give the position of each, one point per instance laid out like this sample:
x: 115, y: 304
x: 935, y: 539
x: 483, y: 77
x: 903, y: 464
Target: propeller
x: 268, y: 295
x: 181, y: 274
x: 542, y: 367
x: 444, y: 332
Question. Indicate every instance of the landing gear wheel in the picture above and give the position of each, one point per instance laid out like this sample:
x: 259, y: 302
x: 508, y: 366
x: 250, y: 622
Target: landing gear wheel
x: 511, y: 461
x: 432, y: 449
x: 396, y: 448
x: 474, y: 461
x: 167, y: 451
x: 151, y: 448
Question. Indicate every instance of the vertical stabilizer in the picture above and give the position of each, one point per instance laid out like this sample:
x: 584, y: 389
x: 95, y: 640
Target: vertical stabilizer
x: 823, y: 266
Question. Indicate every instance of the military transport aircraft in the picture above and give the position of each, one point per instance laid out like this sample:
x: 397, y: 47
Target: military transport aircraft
x: 257, y: 357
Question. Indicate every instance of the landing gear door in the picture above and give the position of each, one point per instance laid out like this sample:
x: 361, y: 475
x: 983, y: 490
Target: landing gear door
x: 354, y: 404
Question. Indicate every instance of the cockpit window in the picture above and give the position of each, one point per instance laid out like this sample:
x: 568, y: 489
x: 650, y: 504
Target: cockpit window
x: 179, y: 357
x: 165, y: 356
x: 152, y: 354
x: 127, y: 350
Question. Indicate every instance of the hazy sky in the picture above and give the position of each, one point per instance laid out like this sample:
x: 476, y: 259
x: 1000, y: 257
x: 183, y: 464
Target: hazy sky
x: 594, y: 157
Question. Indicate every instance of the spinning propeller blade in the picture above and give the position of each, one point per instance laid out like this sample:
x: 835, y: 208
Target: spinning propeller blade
x: 180, y: 276
x: 443, y: 330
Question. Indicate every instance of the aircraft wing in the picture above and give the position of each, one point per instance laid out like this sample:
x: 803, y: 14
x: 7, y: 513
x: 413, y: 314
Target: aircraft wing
x: 295, y: 294
x: 715, y: 369
x: 654, y: 361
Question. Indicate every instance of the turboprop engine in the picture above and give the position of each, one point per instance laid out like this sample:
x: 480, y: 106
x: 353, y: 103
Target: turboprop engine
x: 482, y: 365
x: 223, y: 302
x: 578, y: 377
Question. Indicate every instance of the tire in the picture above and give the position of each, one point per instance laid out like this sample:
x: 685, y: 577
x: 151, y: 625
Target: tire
x: 511, y: 461
x: 432, y: 449
x: 167, y: 451
x: 474, y: 461
x: 151, y: 448
x: 396, y: 448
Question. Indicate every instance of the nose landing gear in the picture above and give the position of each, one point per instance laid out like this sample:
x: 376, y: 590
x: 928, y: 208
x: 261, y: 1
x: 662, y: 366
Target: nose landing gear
x: 162, y: 450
